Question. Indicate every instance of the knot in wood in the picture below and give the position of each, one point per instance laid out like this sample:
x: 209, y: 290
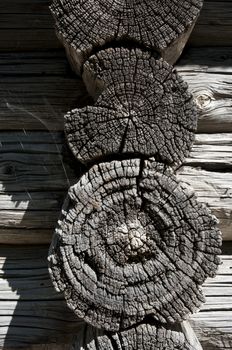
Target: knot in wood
x: 203, y: 100
x: 132, y: 237
x: 143, y: 250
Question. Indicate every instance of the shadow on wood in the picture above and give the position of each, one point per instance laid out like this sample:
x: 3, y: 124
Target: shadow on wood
x: 30, y: 310
x: 33, y: 311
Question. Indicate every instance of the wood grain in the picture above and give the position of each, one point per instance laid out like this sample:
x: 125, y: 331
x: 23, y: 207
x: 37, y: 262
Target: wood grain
x: 34, y: 179
x: 142, y: 337
x: 128, y: 227
x: 37, y: 95
x: 142, y: 109
x: 28, y: 25
x: 161, y: 26
x: 31, y: 312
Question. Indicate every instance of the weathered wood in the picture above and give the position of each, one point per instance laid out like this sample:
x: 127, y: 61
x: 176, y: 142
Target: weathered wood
x: 28, y: 301
x: 190, y: 336
x: 52, y: 346
x: 28, y: 25
x: 37, y: 95
x: 30, y: 310
x: 156, y: 25
x: 142, y: 108
x: 17, y: 38
x: 119, y: 236
x: 214, y: 25
x: 34, y: 174
x: 146, y: 336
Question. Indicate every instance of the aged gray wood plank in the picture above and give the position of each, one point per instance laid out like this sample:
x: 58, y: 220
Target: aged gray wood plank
x: 37, y: 95
x: 28, y: 300
x: 30, y: 310
x: 35, y: 91
x: 214, y: 25
x: 27, y: 25
x: 34, y: 179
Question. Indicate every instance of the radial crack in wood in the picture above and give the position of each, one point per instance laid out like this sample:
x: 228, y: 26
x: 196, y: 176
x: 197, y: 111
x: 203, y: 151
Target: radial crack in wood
x: 145, y: 336
x: 158, y: 25
x: 133, y: 241
x: 142, y: 107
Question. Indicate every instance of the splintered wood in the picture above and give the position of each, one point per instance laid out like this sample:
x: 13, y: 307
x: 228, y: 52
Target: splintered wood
x: 133, y: 245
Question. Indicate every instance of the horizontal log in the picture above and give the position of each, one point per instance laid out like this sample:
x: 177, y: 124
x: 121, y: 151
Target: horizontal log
x: 37, y: 95
x: 31, y: 312
x: 34, y: 178
x: 28, y: 25
x: 30, y: 309
x: 122, y: 22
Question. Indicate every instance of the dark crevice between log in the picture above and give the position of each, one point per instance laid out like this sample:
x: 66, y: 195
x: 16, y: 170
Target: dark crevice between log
x: 149, y: 319
x: 211, y: 166
x: 80, y: 168
x: 92, y: 266
x: 125, y: 43
x: 68, y: 158
x: 113, y: 341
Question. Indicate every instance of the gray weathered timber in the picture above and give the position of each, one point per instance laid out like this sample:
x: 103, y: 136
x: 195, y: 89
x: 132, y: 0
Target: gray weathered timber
x: 34, y: 179
x: 28, y: 25
x: 39, y: 94
x: 119, y: 236
x: 142, y: 108
x: 158, y: 25
x: 30, y: 310
x: 146, y: 336
x: 28, y: 300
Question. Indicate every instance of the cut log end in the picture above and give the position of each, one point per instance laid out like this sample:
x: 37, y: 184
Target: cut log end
x: 156, y: 25
x: 146, y: 336
x: 133, y: 241
x: 142, y: 108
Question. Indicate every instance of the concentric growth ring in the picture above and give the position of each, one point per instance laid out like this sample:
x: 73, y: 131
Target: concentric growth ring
x: 142, y: 108
x: 132, y: 241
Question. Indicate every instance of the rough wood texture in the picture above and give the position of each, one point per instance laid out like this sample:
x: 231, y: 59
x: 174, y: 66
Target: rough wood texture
x: 30, y: 310
x: 26, y: 189
x: 142, y: 107
x: 37, y: 96
x: 29, y: 29
x: 120, y: 236
x: 146, y: 336
x: 85, y: 27
x: 28, y: 300
x: 35, y: 175
x: 28, y: 25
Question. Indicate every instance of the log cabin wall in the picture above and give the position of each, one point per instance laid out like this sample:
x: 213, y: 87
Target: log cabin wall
x: 37, y: 88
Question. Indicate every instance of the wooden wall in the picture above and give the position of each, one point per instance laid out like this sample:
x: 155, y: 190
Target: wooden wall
x: 36, y: 88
